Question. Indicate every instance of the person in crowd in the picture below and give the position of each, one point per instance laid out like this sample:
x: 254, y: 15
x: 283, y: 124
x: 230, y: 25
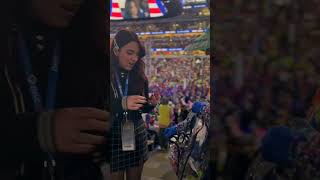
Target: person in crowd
x: 176, y: 115
x: 129, y: 99
x: 165, y: 112
x: 153, y: 131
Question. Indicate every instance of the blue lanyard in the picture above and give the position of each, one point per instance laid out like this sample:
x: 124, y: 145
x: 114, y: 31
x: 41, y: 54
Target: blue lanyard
x: 32, y: 79
x: 32, y: 83
x: 125, y: 93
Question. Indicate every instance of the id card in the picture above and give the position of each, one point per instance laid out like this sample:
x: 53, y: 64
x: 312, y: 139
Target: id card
x: 128, y: 136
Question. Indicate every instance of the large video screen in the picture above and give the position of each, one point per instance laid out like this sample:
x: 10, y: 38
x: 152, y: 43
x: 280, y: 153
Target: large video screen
x: 136, y: 9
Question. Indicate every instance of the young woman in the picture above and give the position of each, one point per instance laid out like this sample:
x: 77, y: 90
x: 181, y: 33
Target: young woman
x: 129, y: 98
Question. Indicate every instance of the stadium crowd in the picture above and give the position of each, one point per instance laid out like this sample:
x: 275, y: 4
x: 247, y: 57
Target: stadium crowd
x: 265, y: 74
x: 156, y: 27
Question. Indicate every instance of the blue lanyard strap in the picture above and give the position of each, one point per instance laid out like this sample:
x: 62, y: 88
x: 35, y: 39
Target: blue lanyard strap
x: 53, y: 77
x: 125, y: 93
x: 32, y: 79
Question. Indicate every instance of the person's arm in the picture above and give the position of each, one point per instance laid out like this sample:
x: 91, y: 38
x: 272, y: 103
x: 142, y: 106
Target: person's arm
x: 171, y: 114
x: 18, y: 132
x: 30, y: 136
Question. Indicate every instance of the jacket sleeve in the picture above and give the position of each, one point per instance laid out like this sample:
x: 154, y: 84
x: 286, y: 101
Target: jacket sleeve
x: 19, y: 137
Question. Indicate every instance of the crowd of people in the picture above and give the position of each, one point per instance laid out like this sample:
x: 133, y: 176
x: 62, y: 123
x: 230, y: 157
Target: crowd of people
x: 265, y: 74
x: 181, y: 77
x: 156, y: 27
x: 173, y: 42
x: 169, y: 41
x: 180, y: 82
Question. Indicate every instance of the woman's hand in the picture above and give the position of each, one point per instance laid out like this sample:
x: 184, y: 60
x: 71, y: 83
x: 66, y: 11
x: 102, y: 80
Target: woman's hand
x: 155, y: 99
x: 135, y: 102
x: 71, y: 124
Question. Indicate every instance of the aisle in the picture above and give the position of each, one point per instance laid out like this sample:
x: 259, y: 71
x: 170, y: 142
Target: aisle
x: 158, y: 168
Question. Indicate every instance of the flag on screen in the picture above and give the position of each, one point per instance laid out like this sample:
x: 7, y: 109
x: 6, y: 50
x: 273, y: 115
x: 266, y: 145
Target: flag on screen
x: 115, y: 10
x: 157, y: 8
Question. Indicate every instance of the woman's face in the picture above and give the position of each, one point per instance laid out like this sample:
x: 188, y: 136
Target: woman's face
x: 55, y: 13
x: 133, y: 9
x: 128, y: 55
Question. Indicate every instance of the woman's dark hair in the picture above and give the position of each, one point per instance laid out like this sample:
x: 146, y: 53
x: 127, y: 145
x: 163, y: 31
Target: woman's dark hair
x: 164, y: 101
x: 122, y: 38
x: 86, y: 45
x: 127, y: 10
x: 137, y: 74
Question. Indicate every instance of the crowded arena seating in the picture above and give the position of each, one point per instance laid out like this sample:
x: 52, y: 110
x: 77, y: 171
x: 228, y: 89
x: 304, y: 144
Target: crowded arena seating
x: 266, y: 74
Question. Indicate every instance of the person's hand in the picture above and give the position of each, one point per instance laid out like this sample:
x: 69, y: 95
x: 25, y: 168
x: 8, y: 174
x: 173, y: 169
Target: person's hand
x: 135, y: 102
x: 155, y: 99
x: 71, y: 127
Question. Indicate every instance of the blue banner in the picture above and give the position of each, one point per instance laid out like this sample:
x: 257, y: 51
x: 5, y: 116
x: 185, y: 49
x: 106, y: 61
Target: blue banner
x: 167, y: 49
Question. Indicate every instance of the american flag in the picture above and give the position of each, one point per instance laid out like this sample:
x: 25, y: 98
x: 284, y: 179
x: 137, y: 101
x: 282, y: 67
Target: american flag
x: 156, y: 8
x: 115, y: 10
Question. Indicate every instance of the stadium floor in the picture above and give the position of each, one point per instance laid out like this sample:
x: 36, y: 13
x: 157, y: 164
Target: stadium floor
x: 158, y: 167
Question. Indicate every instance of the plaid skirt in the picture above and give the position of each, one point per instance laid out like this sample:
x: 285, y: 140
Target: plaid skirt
x: 121, y: 160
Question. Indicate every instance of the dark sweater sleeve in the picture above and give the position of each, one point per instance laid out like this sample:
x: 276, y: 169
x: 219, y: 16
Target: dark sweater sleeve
x: 18, y: 132
x: 19, y: 138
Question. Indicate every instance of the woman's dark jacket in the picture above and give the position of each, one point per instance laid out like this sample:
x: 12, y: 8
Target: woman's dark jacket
x: 138, y: 85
